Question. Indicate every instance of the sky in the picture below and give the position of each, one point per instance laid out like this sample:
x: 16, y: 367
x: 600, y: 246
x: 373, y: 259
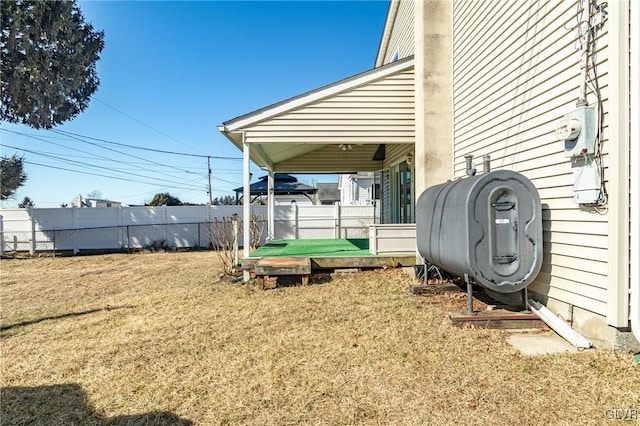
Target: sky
x: 170, y: 73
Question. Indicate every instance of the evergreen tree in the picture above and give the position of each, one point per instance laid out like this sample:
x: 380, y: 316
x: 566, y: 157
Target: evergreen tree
x: 226, y: 200
x: 12, y: 175
x: 164, y: 199
x: 25, y: 203
x: 49, y: 56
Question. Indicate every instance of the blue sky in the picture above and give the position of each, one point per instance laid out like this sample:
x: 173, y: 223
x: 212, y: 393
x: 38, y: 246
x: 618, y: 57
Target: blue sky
x: 170, y: 73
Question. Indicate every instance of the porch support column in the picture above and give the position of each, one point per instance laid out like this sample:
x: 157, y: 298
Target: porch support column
x: 246, y: 206
x: 271, y: 203
x: 433, y: 94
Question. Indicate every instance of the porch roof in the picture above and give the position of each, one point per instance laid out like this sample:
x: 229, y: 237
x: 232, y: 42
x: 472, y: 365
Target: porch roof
x: 334, y: 129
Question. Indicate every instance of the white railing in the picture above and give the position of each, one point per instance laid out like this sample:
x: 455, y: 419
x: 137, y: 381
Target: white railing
x: 127, y: 228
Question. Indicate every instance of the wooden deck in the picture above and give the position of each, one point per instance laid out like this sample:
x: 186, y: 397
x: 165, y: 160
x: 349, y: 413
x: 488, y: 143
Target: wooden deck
x: 265, y: 269
x: 304, y: 257
x: 344, y: 262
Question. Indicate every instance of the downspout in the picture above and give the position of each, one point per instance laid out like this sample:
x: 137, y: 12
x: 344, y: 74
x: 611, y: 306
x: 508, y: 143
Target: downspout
x: 634, y: 161
x: 559, y: 326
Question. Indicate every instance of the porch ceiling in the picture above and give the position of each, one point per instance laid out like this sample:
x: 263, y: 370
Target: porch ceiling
x: 336, y: 128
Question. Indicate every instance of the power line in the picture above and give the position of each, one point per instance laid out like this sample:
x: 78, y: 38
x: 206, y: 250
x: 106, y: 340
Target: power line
x: 101, y: 175
x: 134, y: 164
x: 121, y: 153
x: 79, y: 137
x: 65, y: 133
x: 93, y: 166
x: 100, y: 156
x: 144, y: 124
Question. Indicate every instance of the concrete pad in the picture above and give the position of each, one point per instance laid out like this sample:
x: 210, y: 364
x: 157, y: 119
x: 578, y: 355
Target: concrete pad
x: 540, y: 343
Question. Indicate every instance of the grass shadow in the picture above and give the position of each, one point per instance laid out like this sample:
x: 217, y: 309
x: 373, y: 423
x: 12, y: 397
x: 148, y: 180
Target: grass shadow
x: 67, y: 404
x: 296, y: 281
x: 61, y: 316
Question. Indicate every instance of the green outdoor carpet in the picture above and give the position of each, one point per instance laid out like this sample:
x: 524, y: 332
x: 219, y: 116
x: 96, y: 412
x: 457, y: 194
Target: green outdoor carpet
x: 314, y: 248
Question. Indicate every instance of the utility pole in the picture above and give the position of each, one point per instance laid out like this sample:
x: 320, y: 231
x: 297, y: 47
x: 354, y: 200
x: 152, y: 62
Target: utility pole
x: 209, y: 169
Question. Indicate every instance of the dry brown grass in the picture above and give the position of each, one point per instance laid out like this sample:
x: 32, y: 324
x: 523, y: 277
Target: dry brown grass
x: 156, y: 338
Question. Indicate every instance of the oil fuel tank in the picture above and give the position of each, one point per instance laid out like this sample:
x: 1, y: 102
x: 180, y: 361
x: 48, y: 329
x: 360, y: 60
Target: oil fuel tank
x: 488, y: 226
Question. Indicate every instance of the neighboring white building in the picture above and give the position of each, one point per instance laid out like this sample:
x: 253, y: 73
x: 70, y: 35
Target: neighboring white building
x: 80, y: 201
x: 357, y: 189
x: 328, y: 194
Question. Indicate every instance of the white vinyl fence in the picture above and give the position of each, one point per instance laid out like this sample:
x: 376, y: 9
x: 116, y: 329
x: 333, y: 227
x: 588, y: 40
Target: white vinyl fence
x: 127, y: 228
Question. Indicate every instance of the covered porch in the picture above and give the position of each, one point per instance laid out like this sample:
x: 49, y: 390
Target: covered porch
x: 363, y: 123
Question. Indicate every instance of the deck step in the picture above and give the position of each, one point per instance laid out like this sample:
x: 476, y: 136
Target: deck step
x: 275, y: 266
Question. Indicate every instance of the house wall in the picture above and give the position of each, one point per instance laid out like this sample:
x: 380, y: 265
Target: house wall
x: 511, y: 85
x: 396, y: 154
x: 400, y: 42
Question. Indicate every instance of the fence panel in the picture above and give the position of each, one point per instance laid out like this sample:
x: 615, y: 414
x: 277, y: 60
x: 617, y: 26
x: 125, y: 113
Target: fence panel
x: 355, y: 221
x: 122, y: 228
x: 317, y: 222
x: 284, y: 222
x: 16, y: 230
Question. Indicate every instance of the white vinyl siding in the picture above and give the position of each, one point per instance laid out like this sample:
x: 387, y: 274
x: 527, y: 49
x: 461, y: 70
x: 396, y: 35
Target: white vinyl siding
x: 395, y: 154
x: 515, y: 75
x: 306, y: 139
x: 401, y: 38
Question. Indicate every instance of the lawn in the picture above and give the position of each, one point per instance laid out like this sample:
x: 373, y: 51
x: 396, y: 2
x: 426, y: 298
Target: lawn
x: 160, y: 339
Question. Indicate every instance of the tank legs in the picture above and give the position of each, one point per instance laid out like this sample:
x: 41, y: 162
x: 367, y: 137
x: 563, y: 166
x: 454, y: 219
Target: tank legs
x: 469, y: 294
x: 525, y: 299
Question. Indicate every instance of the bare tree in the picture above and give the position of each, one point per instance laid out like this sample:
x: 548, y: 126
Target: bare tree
x: 257, y: 229
x: 223, y: 238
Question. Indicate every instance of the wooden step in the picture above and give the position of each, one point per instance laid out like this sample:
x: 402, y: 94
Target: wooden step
x: 275, y: 266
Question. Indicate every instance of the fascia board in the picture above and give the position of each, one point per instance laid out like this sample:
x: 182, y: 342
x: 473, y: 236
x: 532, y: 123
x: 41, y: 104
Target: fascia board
x: 386, y: 33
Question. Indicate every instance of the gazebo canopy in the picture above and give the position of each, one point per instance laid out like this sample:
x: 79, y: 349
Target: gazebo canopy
x: 283, y: 184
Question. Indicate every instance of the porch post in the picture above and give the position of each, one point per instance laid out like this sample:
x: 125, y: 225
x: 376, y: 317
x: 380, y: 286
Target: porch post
x: 433, y: 94
x: 246, y: 206
x: 271, y: 203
